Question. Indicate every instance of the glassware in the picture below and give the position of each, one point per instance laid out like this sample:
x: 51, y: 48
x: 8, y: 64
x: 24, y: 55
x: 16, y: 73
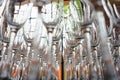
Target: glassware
x: 75, y: 43
x: 107, y: 58
x: 50, y: 19
x: 10, y: 14
x: 85, y: 25
x: 14, y: 26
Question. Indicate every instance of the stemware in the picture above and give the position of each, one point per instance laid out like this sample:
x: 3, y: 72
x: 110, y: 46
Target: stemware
x: 13, y: 22
x: 30, y: 58
x: 4, y: 37
x: 72, y: 43
x: 50, y: 19
x: 56, y: 52
x: 107, y: 58
x: 43, y: 64
x: 85, y: 24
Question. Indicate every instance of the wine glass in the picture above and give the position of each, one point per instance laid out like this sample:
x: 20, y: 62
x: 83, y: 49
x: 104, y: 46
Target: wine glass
x: 28, y: 37
x: 71, y: 44
x: 105, y: 48
x: 50, y: 19
x: 4, y: 38
x: 84, y: 19
x: 56, y: 52
x: 13, y: 22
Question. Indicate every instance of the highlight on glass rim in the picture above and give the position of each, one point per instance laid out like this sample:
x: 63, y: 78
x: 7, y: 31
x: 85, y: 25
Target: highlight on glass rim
x: 59, y: 39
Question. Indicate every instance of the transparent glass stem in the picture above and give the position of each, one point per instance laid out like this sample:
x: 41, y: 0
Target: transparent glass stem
x: 49, y: 55
x: 12, y: 37
x: 70, y: 73
x: 49, y: 48
x: 81, y: 52
x: 98, y: 70
x: 28, y: 52
x: 54, y: 55
x: 88, y: 43
x: 73, y: 57
x: 81, y: 60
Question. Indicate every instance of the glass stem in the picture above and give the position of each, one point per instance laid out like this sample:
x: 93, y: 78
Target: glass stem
x: 88, y: 42
x: 50, y: 48
x: 28, y: 52
x: 13, y: 34
x: 49, y: 55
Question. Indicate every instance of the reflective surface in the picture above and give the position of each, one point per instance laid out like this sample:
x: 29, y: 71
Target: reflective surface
x: 55, y: 40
